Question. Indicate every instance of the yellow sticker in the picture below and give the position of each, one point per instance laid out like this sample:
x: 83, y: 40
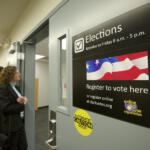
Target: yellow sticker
x: 83, y: 122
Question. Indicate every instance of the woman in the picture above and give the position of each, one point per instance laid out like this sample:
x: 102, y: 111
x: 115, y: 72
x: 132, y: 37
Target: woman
x: 12, y: 105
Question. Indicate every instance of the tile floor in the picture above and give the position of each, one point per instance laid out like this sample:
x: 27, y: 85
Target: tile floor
x: 41, y: 117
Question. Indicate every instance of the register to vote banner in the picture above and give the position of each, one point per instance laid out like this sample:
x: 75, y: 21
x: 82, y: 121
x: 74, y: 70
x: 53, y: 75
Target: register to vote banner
x: 111, y: 68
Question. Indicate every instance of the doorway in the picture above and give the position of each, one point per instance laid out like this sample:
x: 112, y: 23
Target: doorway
x: 41, y: 93
x: 36, y: 51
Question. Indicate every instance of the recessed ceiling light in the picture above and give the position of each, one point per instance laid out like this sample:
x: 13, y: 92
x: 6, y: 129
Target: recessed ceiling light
x: 38, y: 56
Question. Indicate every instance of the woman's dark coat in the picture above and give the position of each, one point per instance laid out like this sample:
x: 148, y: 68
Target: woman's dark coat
x: 10, y: 120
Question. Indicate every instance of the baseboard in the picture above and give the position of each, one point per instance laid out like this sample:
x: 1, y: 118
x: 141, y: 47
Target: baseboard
x: 42, y: 107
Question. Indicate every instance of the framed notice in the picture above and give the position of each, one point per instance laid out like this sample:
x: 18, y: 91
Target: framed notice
x: 111, y: 68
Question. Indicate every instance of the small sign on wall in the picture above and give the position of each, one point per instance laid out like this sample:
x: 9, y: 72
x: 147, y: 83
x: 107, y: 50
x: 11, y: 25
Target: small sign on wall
x: 83, y: 122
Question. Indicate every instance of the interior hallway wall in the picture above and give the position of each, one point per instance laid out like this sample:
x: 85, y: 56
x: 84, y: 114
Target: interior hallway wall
x: 3, y: 57
x: 33, y: 14
x: 42, y: 75
x: 36, y: 11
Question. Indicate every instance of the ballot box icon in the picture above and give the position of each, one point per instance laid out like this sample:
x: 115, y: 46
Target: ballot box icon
x: 79, y: 45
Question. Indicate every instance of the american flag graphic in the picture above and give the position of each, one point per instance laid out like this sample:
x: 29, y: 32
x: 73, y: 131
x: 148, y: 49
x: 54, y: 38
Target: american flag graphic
x: 125, y: 67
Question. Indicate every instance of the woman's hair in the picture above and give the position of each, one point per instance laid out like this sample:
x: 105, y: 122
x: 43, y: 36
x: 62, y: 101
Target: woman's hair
x: 1, y: 68
x: 7, y: 74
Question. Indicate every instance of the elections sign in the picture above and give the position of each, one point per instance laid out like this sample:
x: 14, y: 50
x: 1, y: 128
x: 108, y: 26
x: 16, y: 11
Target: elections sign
x: 111, y: 68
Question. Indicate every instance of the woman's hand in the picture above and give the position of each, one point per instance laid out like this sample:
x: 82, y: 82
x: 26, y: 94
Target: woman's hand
x: 25, y: 100
x: 20, y: 100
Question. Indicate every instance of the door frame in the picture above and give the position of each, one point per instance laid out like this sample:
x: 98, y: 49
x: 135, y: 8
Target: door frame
x: 28, y: 46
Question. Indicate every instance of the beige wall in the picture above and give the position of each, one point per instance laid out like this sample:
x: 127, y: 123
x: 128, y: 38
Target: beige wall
x: 3, y: 57
x: 36, y: 11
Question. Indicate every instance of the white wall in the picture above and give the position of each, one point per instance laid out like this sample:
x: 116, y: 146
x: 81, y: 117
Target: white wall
x: 42, y: 74
x: 108, y: 133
